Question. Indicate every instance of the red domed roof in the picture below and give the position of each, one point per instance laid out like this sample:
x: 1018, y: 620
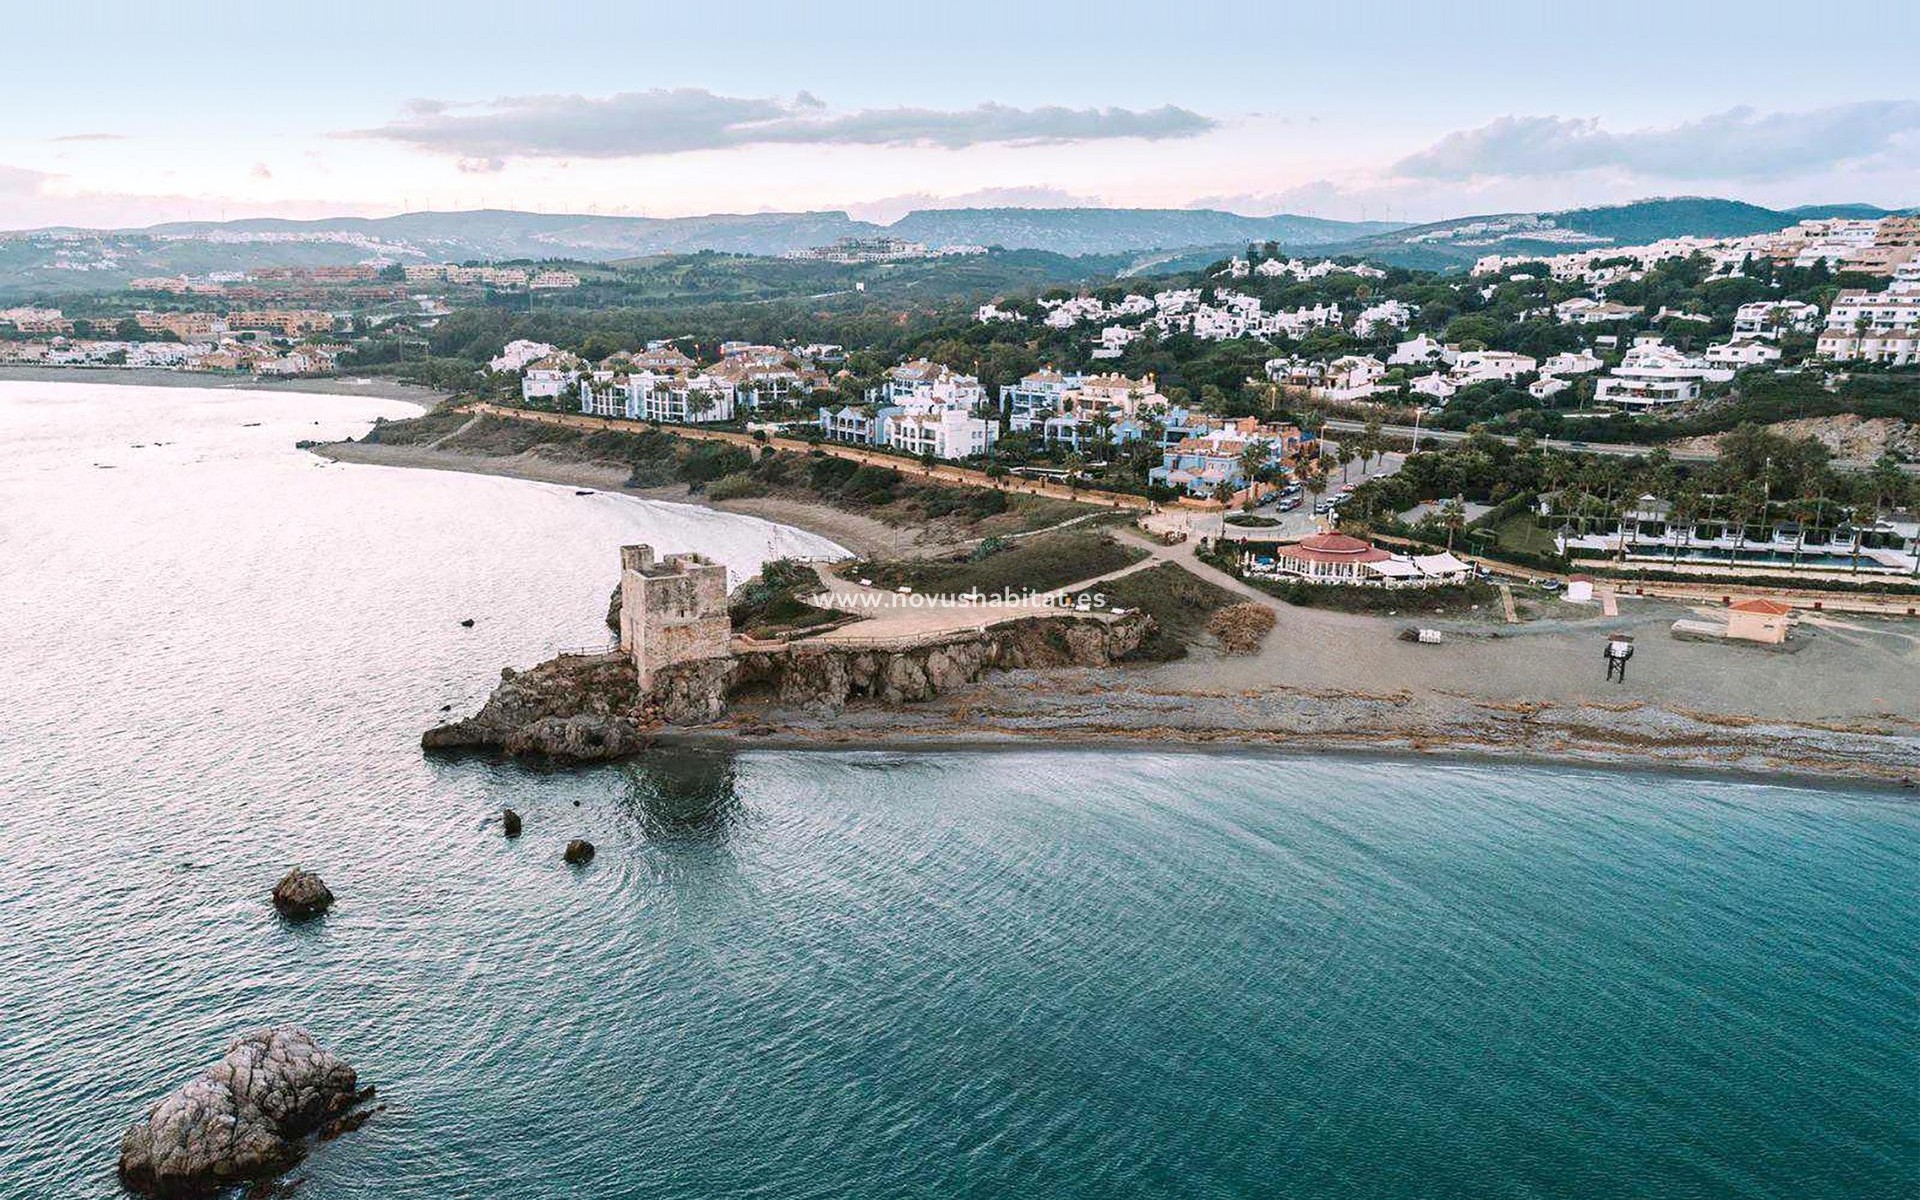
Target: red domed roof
x: 1333, y: 548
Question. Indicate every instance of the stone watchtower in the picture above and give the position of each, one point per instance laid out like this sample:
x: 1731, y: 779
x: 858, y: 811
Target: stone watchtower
x: 672, y: 611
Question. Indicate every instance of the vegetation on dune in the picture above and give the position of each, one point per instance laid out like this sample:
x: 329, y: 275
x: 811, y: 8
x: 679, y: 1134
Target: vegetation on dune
x: 771, y: 603
x: 1241, y: 628
x: 1180, y: 603
x: 1040, y: 563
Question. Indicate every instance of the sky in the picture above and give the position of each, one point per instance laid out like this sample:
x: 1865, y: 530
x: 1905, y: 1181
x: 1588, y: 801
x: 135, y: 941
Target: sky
x: 134, y: 113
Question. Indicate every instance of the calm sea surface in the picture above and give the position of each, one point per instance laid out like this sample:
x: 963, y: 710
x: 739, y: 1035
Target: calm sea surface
x: 1023, y: 973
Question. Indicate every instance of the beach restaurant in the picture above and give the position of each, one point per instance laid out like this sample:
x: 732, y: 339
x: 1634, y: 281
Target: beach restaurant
x: 1337, y: 558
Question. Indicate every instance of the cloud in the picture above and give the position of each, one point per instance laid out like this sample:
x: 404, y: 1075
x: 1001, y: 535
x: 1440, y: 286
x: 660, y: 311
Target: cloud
x: 1741, y: 143
x: 678, y: 120
x: 90, y: 137
x: 261, y: 171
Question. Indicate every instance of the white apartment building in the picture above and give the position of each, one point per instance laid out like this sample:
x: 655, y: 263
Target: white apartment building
x: 1741, y: 352
x: 1479, y: 366
x: 1584, y: 311
x: 1769, y: 318
x: 518, y: 354
x: 1114, y: 340
x: 1378, y: 318
x: 646, y: 396
x: 1655, y: 375
x: 1881, y: 327
x: 1420, y: 350
x: 1572, y: 362
x: 930, y: 383
x: 943, y: 433
x: 1351, y: 377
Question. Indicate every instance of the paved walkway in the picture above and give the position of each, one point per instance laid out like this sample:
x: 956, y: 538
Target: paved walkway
x: 894, y: 619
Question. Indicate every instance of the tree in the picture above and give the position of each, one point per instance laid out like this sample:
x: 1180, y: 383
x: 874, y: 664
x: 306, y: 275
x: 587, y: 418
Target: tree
x: 1453, y: 515
x: 1254, y: 458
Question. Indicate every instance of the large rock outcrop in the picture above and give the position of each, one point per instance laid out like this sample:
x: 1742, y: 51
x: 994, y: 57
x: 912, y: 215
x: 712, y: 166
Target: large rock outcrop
x: 245, y: 1118
x: 590, y: 708
x: 579, y: 707
x: 825, y: 678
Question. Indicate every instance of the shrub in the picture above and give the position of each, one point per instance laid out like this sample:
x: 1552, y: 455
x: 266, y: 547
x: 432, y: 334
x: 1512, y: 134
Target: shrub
x: 738, y: 486
x: 1241, y: 628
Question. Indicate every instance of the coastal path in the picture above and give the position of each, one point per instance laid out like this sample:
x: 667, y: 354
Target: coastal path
x: 942, y: 472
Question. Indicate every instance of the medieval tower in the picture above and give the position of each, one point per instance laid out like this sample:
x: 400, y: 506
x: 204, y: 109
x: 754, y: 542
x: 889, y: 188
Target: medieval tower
x: 671, y: 611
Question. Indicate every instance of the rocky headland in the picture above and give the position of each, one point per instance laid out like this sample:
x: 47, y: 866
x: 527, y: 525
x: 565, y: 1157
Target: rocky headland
x: 590, y: 707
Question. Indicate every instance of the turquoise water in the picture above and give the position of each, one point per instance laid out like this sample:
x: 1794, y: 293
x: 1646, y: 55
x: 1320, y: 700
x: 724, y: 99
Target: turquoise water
x: 1008, y: 973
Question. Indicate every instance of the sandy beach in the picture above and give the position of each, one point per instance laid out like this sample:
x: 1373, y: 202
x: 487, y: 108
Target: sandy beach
x: 333, y: 385
x: 860, y: 534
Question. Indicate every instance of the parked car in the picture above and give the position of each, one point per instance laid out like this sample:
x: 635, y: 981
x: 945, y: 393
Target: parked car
x: 1289, y: 504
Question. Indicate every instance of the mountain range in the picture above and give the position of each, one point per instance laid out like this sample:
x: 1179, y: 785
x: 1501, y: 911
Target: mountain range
x: 69, y: 259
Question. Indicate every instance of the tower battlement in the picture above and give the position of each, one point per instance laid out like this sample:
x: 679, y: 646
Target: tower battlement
x: 672, y: 610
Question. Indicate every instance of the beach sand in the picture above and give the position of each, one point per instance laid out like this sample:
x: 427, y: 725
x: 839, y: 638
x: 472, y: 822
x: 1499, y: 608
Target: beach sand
x: 862, y: 535
x: 340, y: 385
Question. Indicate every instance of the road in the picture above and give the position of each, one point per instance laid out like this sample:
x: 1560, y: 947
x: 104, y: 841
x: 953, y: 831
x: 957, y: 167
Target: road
x: 1343, y: 425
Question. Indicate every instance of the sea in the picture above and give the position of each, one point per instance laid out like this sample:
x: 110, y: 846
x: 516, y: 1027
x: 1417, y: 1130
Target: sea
x: 1012, y: 972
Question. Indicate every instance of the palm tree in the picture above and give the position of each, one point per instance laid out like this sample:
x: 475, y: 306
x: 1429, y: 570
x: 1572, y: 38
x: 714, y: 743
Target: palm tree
x: 1453, y: 515
x: 1346, y: 456
x: 1254, y: 458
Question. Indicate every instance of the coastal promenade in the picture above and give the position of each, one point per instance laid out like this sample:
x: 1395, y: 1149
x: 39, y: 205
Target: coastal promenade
x: 943, y: 472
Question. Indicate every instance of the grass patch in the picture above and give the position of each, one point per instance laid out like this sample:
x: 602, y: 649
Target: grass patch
x: 1523, y: 533
x: 1041, y: 563
x: 769, y: 604
x: 415, y: 431
x: 1180, y: 603
x: 1449, y: 600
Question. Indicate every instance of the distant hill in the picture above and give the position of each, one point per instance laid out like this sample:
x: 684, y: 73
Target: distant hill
x: 78, y: 259
x: 69, y: 260
x: 1453, y: 244
x: 1858, y: 212
x: 1106, y: 230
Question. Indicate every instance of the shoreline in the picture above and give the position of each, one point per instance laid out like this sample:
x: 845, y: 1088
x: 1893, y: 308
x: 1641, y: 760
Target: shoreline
x: 326, y: 385
x: 1464, y: 753
x: 1099, y: 709
x: 860, y: 535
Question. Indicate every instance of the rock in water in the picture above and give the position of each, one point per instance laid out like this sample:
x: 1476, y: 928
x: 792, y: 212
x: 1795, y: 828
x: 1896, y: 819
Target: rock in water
x: 301, y: 894
x: 579, y: 850
x: 510, y: 821
x: 244, y: 1118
